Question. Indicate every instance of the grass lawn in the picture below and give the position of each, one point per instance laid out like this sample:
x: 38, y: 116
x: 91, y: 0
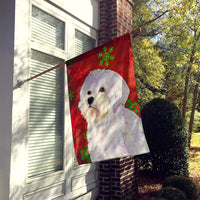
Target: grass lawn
x: 194, y: 160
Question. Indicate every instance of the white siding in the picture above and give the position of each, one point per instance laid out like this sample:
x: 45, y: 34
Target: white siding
x: 6, y: 88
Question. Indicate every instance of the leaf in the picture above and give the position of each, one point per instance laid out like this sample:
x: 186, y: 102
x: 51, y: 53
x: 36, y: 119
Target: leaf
x: 100, y: 54
x: 112, y: 57
x: 85, y: 155
x: 136, y: 111
x: 69, y: 62
x: 71, y: 95
x: 85, y: 135
x: 106, y: 63
x: 101, y: 62
x: 111, y: 50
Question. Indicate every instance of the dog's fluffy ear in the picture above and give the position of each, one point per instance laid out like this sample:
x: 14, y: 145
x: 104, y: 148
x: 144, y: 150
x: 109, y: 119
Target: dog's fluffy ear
x: 125, y: 92
x: 121, y: 89
x: 80, y: 106
x: 118, y: 90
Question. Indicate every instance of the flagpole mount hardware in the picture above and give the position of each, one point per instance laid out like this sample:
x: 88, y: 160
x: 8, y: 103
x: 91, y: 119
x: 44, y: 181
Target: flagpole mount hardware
x: 19, y: 84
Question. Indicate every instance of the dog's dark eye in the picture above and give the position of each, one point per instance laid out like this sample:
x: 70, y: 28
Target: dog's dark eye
x: 89, y: 92
x: 101, y: 89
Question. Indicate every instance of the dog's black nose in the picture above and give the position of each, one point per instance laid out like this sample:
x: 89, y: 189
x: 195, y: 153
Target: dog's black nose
x: 90, y: 100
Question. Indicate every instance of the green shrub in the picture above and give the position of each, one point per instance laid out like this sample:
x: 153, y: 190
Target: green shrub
x: 167, y: 138
x: 144, y: 163
x: 171, y: 193
x: 183, y: 183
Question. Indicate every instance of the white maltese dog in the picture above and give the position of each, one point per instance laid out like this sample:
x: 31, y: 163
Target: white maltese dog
x: 113, y: 131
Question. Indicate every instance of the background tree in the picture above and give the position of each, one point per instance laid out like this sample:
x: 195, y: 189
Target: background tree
x: 172, y: 30
x: 149, y: 67
x: 174, y: 72
x: 183, y: 29
x: 194, y: 104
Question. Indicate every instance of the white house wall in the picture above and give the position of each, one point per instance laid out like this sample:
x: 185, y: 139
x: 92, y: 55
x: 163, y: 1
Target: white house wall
x: 6, y: 87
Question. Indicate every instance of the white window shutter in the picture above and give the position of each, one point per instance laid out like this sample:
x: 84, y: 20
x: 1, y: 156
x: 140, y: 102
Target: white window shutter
x: 83, y: 43
x: 47, y: 29
x: 45, y: 143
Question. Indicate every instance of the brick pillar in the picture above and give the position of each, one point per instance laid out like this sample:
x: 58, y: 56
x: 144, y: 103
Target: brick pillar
x: 104, y: 180
x: 117, y: 177
x: 115, y: 19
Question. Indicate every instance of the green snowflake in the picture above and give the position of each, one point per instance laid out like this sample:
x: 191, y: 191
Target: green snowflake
x: 85, y: 135
x: 106, y: 56
x: 132, y: 106
x: 71, y: 95
x: 85, y: 155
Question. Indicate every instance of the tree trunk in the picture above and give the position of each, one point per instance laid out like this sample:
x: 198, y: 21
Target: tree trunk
x: 185, y: 91
x: 198, y: 99
x: 193, y: 109
x: 188, y: 74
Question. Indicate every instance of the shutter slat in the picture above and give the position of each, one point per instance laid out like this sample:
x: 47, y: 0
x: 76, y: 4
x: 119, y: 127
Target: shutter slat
x: 45, y: 102
x: 38, y: 141
x: 46, y: 165
x: 45, y: 148
x: 48, y: 92
x: 47, y: 29
x: 83, y: 43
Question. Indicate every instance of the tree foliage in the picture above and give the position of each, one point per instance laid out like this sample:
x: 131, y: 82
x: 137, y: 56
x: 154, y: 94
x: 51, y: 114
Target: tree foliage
x: 182, y: 36
x: 149, y: 67
x: 183, y: 29
x: 173, y: 28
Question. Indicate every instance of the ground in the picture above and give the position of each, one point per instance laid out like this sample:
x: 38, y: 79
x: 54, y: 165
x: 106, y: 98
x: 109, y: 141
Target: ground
x: 194, y: 162
x: 149, y: 186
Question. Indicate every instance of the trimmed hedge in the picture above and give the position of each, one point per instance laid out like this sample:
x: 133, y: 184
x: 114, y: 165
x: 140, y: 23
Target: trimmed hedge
x: 171, y: 193
x: 183, y: 183
x: 167, y: 138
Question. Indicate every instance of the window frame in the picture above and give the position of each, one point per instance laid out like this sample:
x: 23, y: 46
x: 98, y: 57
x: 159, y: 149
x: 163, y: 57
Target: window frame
x: 68, y: 52
x: 59, y: 183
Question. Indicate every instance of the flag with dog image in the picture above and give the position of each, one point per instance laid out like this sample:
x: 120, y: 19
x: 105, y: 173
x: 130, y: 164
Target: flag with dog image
x: 104, y: 108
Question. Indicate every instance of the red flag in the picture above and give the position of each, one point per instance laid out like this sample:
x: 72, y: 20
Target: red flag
x: 104, y: 107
